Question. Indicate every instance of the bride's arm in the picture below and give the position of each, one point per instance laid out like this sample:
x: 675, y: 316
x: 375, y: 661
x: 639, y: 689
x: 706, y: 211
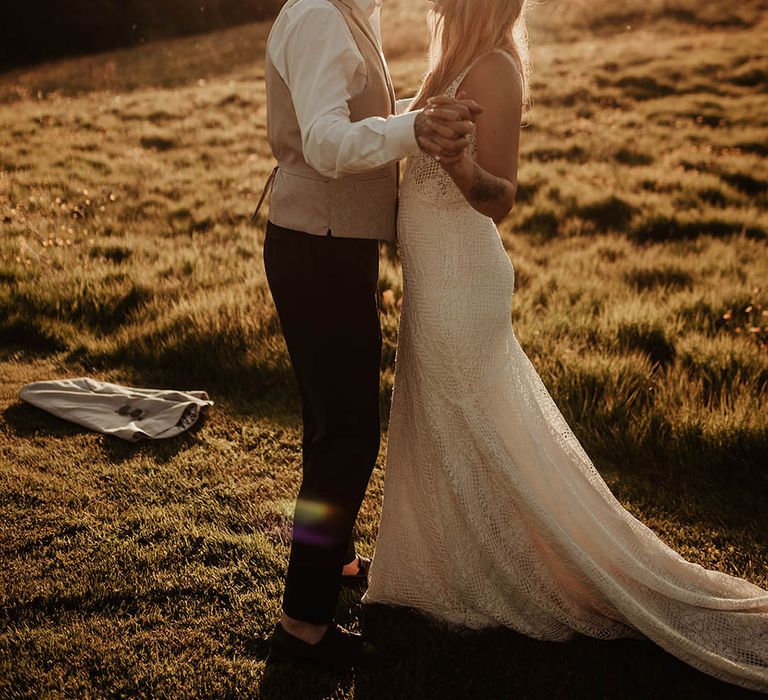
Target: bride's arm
x: 490, y: 184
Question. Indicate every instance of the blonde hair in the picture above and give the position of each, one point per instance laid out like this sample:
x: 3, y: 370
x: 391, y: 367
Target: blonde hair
x: 467, y: 29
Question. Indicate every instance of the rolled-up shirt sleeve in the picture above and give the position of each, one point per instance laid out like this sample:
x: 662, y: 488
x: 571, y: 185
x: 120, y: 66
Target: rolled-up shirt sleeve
x: 318, y: 59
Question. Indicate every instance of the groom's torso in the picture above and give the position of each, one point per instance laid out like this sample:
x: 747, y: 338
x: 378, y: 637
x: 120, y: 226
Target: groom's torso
x: 352, y: 206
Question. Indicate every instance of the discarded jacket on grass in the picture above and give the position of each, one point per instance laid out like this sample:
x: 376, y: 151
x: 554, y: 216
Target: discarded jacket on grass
x: 130, y: 413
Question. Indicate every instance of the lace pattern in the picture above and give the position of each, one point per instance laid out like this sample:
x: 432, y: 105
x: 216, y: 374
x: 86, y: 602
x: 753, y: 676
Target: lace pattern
x: 426, y: 178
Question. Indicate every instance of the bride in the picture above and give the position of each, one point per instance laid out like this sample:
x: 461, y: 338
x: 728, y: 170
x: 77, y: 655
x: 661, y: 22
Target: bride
x: 493, y: 514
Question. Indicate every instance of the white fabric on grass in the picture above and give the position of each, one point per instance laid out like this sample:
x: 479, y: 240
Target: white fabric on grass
x: 127, y: 412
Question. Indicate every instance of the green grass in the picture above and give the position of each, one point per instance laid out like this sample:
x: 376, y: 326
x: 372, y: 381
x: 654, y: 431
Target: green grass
x: 126, y: 253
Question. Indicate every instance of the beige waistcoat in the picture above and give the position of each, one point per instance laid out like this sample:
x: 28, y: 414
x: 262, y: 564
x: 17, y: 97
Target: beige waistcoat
x: 352, y: 206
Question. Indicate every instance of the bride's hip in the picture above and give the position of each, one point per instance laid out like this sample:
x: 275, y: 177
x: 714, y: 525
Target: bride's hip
x: 474, y: 260
x: 449, y: 233
x: 411, y: 204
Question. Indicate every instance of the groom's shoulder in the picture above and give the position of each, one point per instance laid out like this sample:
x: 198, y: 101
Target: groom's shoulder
x: 314, y: 7
x: 302, y: 13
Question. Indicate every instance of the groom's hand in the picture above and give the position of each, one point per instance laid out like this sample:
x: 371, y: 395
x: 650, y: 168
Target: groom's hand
x: 433, y: 133
x: 450, y: 117
x: 465, y: 109
x: 443, y: 126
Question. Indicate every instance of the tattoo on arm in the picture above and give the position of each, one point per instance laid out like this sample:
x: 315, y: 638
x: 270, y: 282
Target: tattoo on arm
x: 485, y: 187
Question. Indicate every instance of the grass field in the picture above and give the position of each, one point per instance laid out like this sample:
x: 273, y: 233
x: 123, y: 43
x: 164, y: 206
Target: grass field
x: 640, y: 242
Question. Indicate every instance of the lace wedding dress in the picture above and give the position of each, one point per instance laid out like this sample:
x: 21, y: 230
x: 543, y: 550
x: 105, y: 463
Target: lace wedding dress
x: 493, y: 514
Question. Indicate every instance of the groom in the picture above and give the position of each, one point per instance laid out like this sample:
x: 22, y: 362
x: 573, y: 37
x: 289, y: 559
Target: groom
x: 337, y: 132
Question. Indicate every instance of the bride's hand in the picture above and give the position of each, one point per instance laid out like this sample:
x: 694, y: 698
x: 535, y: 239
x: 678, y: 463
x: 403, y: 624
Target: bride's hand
x: 444, y: 149
x: 467, y: 109
x: 434, y: 135
x: 443, y: 126
x: 451, y: 118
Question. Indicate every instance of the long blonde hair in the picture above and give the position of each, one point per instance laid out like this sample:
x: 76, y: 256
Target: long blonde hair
x: 466, y: 30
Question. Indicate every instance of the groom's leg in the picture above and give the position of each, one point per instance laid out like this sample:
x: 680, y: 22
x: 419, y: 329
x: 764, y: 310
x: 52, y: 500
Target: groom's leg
x: 309, y: 432
x: 325, y: 293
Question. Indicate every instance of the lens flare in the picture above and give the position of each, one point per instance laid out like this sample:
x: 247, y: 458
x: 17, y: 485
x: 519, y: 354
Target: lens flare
x: 309, y: 522
x: 313, y: 511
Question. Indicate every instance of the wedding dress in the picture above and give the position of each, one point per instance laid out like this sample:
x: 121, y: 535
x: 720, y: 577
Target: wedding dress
x: 492, y: 512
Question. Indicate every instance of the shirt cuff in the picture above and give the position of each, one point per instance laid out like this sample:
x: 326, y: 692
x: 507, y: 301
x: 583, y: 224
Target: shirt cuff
x: 400, y: 134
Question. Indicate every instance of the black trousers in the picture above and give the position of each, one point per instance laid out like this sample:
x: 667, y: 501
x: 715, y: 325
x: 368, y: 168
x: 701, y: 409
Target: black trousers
x: 324, y: 290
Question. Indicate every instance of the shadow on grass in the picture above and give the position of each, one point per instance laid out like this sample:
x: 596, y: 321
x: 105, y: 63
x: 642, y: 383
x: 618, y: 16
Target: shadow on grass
x: 502, y: 663
x: 496, y: 663
x: 283, y: 680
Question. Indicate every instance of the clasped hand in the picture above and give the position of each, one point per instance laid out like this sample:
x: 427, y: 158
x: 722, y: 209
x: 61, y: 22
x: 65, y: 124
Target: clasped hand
x: 444, y: 125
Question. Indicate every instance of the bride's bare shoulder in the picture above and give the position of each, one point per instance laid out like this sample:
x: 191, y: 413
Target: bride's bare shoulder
x: 493, y: 71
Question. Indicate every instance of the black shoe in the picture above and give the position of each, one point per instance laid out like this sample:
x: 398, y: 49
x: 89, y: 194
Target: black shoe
x: 338, y: 649
x: 361, y: 576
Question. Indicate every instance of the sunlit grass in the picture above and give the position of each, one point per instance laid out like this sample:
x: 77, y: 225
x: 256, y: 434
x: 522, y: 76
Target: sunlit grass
x: 126, y: 252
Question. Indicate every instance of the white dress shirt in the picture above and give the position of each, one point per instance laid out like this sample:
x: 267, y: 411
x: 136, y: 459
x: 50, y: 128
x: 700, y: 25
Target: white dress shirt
x: 312, y: 49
